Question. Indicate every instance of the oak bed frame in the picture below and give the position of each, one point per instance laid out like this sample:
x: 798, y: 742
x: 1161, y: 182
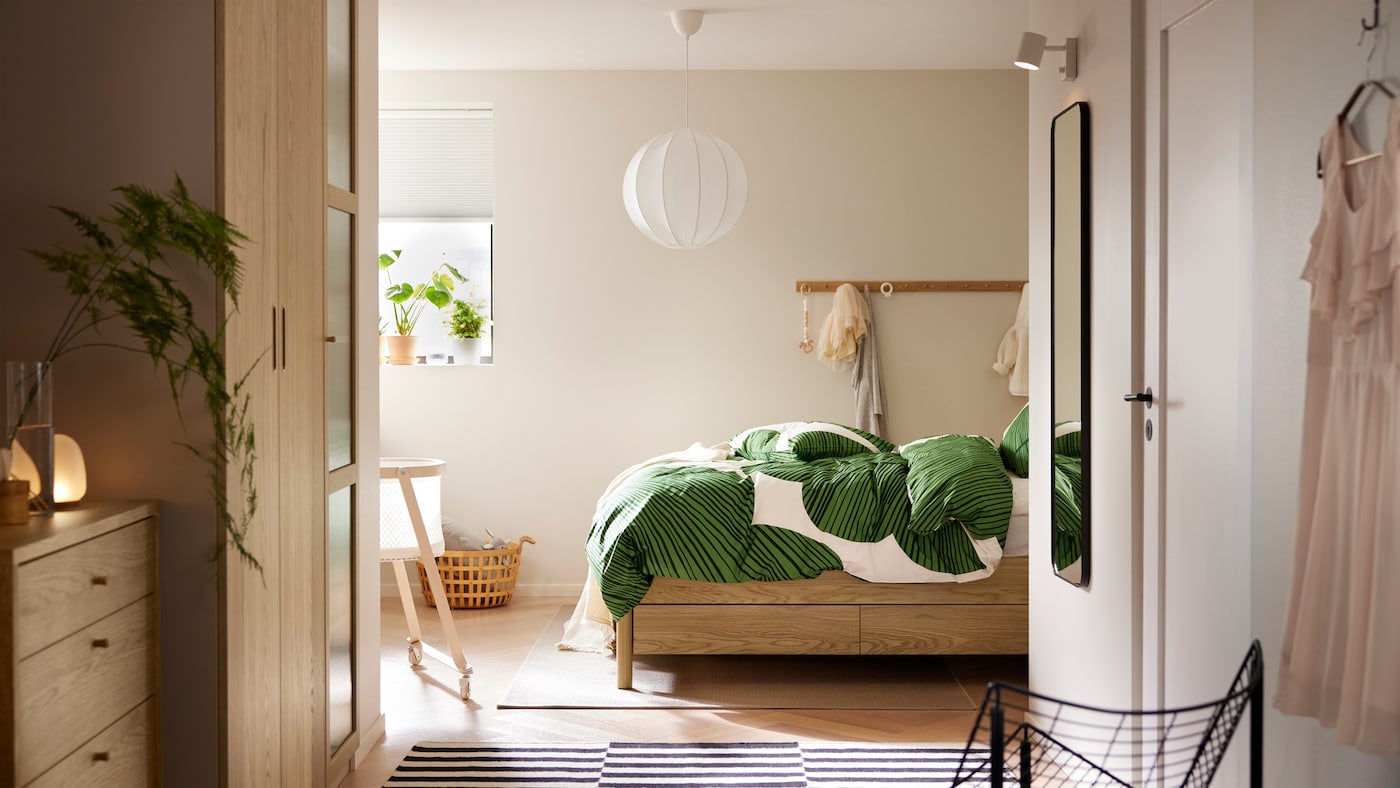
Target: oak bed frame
x: 834, y: 613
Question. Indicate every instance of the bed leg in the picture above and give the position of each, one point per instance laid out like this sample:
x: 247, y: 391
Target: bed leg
x: 624, y: 652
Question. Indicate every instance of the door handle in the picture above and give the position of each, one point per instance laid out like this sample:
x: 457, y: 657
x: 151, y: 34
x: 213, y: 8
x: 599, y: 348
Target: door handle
x: 1141, y: 396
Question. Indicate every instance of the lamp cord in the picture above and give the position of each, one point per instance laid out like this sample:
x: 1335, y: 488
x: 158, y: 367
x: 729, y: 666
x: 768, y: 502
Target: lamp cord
x: 687, y: 82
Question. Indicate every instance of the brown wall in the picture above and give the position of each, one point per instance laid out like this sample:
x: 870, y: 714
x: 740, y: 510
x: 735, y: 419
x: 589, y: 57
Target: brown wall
x: 94, y: 95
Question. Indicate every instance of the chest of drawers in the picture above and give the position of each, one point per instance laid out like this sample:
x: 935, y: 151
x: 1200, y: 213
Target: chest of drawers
x: 79, y: 653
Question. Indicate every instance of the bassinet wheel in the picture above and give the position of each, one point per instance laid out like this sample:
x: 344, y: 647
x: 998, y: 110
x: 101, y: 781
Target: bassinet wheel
x: 415, y: 654
x: 464, y: 687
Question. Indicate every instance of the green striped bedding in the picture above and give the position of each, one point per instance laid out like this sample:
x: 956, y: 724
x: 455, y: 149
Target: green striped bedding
x: 934, y: 511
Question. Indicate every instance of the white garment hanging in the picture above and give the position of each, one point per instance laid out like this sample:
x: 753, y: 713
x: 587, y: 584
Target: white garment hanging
x: 1014, y: 352
x: 867, y: 380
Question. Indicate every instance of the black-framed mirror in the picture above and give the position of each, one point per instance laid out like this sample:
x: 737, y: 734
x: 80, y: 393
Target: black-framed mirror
x: 1069, y: 343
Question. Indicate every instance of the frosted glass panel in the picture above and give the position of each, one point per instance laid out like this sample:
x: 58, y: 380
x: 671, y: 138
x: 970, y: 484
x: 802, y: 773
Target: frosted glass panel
x: 340, y: 354
x: 340, y: 617
x: 339, y: 89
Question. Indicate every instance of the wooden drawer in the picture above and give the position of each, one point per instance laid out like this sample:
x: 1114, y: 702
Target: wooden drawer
x: 62, y: 592
x: 122, y: 756
x: 74, y: 689
x: 944, y: 629
x: 757, y: 629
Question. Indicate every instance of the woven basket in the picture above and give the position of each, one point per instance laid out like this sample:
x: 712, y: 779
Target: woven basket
x: 476, y: 578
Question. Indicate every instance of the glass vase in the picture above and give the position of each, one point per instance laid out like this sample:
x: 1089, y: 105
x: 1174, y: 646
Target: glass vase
x: 29, y: 427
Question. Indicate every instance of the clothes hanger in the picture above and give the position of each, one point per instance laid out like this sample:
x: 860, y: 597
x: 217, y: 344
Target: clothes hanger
x: 1360, y: 89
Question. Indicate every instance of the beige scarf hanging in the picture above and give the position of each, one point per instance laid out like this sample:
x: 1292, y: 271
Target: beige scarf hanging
x: 839, y: 338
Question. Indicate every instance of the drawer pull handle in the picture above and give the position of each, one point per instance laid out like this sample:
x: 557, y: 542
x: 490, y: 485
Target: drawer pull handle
x: 102, y: 756
x: 99, y: 643
x: 99, y: 580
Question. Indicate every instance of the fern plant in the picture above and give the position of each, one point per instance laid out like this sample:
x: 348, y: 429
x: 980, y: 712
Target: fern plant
x: 121, y: 273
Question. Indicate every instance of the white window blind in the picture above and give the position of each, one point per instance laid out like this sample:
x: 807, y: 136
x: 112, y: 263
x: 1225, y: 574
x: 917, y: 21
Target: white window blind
x: 435, y: 163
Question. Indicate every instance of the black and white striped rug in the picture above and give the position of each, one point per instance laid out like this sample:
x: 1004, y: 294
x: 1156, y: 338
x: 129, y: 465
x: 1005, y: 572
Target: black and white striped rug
x: 751, y: 765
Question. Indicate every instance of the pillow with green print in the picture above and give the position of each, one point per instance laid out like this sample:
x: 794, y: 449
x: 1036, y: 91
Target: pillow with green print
x: 806, y: 441
x: 958, y: 479
x: 1015, y: 444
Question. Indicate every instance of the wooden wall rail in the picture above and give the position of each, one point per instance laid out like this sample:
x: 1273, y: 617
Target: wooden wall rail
x: 916, y: 286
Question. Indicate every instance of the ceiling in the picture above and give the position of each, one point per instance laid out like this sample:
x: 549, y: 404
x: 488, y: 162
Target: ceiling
x: 736, y: 34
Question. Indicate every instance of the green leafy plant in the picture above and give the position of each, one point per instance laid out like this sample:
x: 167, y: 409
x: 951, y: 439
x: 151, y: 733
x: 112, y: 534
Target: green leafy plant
x: 120, y: 273
x: 409, y: 300
x: 467, y: 318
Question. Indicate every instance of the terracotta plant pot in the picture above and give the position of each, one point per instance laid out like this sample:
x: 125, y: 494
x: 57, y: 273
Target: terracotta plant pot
x: 402, y: 350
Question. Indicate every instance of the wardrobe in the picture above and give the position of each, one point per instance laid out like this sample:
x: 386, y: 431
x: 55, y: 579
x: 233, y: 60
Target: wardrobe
x: 297, y: 172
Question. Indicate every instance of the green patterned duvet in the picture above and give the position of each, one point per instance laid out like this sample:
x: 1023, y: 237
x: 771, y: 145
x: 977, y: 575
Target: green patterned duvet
x: 794, y: 500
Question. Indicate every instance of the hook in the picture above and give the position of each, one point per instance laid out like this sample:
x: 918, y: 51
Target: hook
x: 1375, y: 18
x: 806, y: 289
x: 886, y: 289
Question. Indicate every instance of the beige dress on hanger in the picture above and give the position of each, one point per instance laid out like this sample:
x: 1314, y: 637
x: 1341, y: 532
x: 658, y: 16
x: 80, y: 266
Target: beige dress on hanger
x: 1341, y: 647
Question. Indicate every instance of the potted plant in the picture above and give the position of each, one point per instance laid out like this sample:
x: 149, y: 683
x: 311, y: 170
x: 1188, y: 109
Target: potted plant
x: 408, y: 301
x: 465, y: 326
x: 121, y: 272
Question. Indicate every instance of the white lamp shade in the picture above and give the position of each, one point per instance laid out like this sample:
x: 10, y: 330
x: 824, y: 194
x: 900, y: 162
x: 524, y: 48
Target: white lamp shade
x: 69, y: 472
x: 1031, y: 50
x: 397, y: 539
x: 685, y: 189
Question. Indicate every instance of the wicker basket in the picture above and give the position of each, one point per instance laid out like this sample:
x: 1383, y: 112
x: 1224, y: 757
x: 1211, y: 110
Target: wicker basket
x: 476, y: 578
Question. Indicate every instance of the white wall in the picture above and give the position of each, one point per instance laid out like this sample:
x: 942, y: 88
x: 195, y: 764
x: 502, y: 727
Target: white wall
x: 611, y: 349
x: 1084, y: 641
x: 1306, y: 64
x: 96, y: 96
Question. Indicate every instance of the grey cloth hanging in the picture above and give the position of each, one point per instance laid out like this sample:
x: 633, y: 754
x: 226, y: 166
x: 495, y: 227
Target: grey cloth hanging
x: 866, y: 379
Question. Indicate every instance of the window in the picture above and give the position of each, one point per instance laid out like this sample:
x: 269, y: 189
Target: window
x: 435, y: 204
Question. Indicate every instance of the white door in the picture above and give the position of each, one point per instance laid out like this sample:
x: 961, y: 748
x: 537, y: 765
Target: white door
x: 1197, y: 464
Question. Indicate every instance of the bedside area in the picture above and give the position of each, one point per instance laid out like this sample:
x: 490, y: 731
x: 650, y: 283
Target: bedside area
x: 79, y: 653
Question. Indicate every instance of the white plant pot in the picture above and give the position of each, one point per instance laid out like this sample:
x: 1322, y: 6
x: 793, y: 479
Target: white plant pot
x: 467, y: 351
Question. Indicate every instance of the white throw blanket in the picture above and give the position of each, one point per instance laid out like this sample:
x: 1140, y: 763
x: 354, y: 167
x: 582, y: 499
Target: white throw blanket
x: 839, y: 338
x: 1015, y: 349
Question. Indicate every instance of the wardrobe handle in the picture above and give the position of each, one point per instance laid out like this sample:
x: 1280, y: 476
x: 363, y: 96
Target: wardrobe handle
x: 284, y: 337
x: 99, y: 580
x: 99, y: 643
x: 274, y: 338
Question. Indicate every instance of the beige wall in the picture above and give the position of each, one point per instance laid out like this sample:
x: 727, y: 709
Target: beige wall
x: 611, y: 349
x: 97, y: 95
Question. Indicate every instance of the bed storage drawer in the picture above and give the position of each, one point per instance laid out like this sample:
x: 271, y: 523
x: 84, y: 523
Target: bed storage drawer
x: 944, y: 629
x: 747, y: 629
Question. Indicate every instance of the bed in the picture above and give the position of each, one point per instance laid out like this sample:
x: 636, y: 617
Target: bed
x: 814, y: 538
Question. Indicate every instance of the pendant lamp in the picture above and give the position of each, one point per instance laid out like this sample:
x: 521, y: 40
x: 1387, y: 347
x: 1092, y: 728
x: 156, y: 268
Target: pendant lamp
x: 685, y: 189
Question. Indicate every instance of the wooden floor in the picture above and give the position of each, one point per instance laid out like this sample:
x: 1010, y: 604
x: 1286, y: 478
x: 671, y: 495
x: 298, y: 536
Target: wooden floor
x: 422, y: 704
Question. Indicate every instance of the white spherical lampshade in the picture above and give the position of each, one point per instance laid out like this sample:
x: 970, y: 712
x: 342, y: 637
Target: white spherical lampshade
x: 685, y: 189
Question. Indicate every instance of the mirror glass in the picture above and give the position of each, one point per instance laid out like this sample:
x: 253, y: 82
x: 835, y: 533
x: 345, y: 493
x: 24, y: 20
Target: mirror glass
x: 1069, y: 343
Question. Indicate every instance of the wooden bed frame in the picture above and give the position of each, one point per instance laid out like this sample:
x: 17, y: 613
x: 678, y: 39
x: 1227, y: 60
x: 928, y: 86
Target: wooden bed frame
x: 834, y: 613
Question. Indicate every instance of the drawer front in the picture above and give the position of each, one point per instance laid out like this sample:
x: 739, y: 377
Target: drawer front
x: 65, y: 591
x: 72, y: 690
x: 944, y: 629
x: 746, y: 629
x: 123, y: 756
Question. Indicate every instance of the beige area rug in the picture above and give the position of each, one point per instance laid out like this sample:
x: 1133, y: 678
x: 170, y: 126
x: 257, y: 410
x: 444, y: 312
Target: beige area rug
x: 554, y: 679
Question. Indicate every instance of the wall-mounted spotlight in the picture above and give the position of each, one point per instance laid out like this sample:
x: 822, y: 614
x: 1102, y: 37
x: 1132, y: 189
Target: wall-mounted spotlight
x: 1033, y: 46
